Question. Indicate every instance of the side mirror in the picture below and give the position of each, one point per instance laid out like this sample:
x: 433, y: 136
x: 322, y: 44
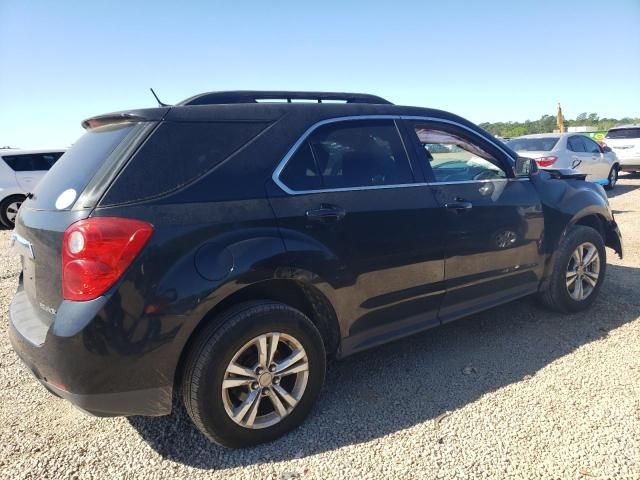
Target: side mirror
x: 525, y: 167
x: 606, y: 149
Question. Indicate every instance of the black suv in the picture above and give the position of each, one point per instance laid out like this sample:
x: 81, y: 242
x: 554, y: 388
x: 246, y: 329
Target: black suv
x: 228, y: 245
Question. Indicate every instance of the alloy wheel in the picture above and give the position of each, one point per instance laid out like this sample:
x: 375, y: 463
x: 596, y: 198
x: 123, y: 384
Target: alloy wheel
x: 265, y: 380
x: 12, y: 211
x: 583, y: 271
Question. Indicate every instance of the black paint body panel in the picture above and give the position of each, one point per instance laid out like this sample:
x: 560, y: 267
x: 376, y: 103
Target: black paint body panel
x: 398, y: 262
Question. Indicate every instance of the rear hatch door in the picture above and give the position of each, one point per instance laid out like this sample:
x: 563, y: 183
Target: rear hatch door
x: 69, y: 193
x: 625, y: 142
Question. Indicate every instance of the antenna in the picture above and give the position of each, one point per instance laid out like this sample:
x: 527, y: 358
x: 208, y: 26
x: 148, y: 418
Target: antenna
x: 160, y: 104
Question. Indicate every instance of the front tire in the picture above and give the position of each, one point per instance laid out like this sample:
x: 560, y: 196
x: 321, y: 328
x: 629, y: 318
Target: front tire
x: 254, y: 375
x: 577, y: 272
x: 612, y: 178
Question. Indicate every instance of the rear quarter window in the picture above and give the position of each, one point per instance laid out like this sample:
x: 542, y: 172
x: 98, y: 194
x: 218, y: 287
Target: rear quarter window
x: 176, y: 154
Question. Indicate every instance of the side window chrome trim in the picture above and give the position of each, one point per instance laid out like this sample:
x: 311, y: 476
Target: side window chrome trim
x: 283, y: 163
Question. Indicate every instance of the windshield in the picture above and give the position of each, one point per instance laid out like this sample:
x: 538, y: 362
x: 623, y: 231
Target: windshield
x: 624, y: 133
x: 541, y: 144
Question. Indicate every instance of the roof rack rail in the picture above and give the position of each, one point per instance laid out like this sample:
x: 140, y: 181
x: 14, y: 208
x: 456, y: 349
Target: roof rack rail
x: 248, y: 96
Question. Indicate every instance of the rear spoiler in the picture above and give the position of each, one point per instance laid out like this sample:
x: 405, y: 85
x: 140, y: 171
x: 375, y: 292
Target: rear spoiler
x: 565, y: 173
x: 131, y: 116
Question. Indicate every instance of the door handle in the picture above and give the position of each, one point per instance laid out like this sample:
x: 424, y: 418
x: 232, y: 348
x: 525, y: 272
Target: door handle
x: 326, y: 214
x: 459, y: 205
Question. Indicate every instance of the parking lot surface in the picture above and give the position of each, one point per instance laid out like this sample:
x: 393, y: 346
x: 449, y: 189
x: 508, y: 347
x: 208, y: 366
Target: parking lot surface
x: 514, y: 392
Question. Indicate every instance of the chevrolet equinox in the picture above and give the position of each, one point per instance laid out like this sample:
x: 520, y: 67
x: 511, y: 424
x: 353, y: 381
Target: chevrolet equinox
x: 227, y: 246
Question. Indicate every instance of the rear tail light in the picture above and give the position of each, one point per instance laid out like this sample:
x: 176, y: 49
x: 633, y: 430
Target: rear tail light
x: 97, y: 251
x: 546, y: 161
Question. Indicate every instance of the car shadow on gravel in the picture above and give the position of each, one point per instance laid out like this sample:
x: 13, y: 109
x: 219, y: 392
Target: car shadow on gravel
x: 418, y: 379
x: 622, y: 189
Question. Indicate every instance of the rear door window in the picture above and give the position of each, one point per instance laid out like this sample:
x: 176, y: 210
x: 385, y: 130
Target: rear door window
x: 575, y: 144
x: 301, y: 172
x: 349, y: 154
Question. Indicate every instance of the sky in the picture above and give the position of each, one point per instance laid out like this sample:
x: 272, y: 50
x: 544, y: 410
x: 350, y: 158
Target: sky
x: 63, y: 61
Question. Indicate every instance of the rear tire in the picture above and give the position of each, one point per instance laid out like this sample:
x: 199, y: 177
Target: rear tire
x: 9, y: 209
x: 576, y: 278
x: 612, y: 178
x: 238, y: 396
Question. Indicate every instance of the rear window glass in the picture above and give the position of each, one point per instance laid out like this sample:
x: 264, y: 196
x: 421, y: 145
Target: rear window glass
x: 544, y: 144
x: 32, y: 162
x: 623, y: 133
x: 73, y: 171
x: 176, y: 154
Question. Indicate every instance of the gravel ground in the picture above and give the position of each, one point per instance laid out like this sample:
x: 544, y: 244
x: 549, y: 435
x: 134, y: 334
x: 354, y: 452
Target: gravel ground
x: 515, y: 392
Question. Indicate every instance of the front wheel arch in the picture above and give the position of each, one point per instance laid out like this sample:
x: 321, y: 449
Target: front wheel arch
x: 552, y: 293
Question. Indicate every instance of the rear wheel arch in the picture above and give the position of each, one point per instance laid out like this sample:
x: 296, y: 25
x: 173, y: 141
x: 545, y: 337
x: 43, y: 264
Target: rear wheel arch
x: 294, y: 293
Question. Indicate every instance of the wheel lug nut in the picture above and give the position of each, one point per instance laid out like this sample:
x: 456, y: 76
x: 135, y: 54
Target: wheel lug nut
x: 254, y: 386
x: 272, y: 368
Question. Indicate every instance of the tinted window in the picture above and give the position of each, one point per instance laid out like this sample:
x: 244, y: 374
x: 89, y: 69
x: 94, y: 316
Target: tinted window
x: 624, y: 133
x: 301, y: 172
x: 360, y: 154
x: 79, y: 164
x: 575, y: 144
x: 544, y: 144
x: 176, y: 154
x: 590, y: 145
x: 454, y: 157
x: 32, y: 162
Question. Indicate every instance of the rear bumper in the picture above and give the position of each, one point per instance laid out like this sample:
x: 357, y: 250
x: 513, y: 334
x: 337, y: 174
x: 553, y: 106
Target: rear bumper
x: 628, y: 163
x: 81, y: 364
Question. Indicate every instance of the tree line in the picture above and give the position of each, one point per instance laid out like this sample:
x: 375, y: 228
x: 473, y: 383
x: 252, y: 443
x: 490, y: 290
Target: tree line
x: 547, y: 123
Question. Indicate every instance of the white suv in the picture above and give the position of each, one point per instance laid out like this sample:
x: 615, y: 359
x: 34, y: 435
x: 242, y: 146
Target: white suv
x: 20, y: 171
x: 625, y: 142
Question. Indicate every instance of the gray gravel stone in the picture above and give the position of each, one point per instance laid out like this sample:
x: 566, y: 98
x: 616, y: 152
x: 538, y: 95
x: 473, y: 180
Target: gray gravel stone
x: 515, y: 392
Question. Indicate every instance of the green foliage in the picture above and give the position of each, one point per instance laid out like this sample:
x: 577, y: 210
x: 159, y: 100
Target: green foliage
x: 547, y: 124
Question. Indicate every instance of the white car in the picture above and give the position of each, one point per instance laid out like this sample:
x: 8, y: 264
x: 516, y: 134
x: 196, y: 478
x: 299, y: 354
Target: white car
x: 625, y: 142
x: 20, y: 172
x: 570, y: 150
